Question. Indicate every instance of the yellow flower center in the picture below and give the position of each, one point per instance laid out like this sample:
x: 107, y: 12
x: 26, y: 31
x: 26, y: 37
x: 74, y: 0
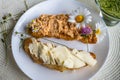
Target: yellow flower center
x: 79, y: 18
x: 33, y: 20
x: 98, y: 31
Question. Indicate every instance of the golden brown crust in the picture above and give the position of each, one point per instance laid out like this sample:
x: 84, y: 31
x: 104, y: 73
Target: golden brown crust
x: 57, y: 26
x: 25, y: 46
x: 93, y: 55
x: 39, y: 61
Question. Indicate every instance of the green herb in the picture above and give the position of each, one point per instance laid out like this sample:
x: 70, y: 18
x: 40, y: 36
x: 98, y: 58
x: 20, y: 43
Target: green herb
x: 4, y: 17
x: 2, y: 40
x: 16, y: 32
x: 26, y: 4
x: 22, y: 35
x: 5, y: 31
x: 111, y: 7
x: 9, y: 14
x: 21, y: 43
x: 94, y: 31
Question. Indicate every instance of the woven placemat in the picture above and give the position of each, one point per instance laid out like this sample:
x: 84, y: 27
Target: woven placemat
x: 10, y: 71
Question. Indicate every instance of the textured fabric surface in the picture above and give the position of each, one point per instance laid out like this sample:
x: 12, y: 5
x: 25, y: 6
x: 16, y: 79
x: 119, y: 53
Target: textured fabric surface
x: 10, y: 71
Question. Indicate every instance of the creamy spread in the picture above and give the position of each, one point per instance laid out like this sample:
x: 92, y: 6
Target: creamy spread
x: 58, y: 26
x: 60, y: 55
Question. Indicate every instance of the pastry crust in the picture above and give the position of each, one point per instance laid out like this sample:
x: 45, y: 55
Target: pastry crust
x: 39, y: 61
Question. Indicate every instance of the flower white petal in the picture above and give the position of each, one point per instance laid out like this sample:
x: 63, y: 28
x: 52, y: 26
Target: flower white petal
x: 83, y: 24
x: 88, y: 19
x: 78, y: 25
x: 80, y: 10
x: 76, y: 12
x: 97, y: 25
x: 72, y: 17
x: 72, y: 13
x: 71, y: 20
x: 101, y: 37
x: 87, y: 12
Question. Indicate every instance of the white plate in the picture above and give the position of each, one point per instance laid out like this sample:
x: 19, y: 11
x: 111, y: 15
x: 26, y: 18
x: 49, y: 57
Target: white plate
x: 38, y: 72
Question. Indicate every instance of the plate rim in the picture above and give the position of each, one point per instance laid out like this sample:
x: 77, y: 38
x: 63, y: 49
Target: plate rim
x: 27, y: 74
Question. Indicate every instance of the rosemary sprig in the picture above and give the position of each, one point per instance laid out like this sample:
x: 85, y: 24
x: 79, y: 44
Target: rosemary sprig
x: 4, y: 30
x: 21, y: 43
x: 22, y: 36
x: 26, y: 6
x: 6, y: 50
x: 5, y: 18
x: 4, y: 40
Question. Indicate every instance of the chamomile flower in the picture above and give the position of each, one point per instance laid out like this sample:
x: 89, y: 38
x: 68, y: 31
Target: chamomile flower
x: 80, y: 16
x: 32, y: 26
x: 35, y: 29
x: 100, y: 31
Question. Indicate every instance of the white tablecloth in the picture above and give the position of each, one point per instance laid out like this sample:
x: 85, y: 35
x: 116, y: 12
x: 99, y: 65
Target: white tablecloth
x: 109, y: 71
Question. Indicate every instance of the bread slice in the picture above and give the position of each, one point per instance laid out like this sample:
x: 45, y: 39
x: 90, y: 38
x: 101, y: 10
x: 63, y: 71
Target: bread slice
x: 57, y: 26
x: 38, y: 60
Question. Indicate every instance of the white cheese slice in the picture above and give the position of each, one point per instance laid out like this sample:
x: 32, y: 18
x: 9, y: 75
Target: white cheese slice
x: 84, y: 56
x: 61, y: 55
x: 33, y: 47
x: 65, y: 58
